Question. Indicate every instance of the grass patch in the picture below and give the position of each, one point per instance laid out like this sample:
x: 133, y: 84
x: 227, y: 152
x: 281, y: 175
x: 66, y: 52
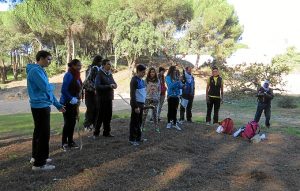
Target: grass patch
x: 22, y: 124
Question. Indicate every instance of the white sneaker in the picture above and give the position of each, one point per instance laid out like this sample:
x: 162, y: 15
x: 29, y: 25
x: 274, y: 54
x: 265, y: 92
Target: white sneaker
x: 48, y: 160
x: 177, y: 127
x: 169, y: 125
x: 44, y: 167
x: 181, y: 122
x: 208, y: 123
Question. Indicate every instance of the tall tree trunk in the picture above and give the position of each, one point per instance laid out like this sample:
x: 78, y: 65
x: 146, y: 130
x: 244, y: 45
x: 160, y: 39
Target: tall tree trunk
x: 3, y: 72
x: 197, y: 61
x: 69, y: 46
x: 14, y: 64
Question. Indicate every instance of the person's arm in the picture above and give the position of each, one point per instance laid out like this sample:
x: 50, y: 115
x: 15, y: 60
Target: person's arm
x: 269, y: 95
x: 222, y: 90
x: 114, y: 82
x: 65, y: 86
x: 58, y: 106
x: 173, y: 85
x: 39, y: 79
x: 133, y: 87
x: 100, y: 86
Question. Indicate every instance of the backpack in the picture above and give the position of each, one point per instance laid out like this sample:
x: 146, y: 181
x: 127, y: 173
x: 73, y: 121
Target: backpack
x: 89, y: 83
x: 227, y: 125
x: 251, y: 129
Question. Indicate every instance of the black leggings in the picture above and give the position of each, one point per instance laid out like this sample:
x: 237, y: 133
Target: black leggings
x: 173, y: 103
x: 69, y: 123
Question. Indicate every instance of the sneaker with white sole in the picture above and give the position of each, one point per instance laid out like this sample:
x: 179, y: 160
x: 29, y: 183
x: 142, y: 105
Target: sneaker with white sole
x: 208, y: 123
x: 169, y: 125
x: 73, y: 145
x: 134, y: 143
x: 48, y: 160
x: 65, y: 147
x: 176, y: 126
x: 44, y: 167
x: 181, y: 122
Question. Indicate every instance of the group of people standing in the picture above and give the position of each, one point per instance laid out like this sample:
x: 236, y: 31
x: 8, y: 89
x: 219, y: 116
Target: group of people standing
x: 145, y: 95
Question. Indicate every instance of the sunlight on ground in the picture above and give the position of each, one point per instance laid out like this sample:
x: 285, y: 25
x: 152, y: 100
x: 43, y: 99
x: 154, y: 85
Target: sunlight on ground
x: 171, y: 173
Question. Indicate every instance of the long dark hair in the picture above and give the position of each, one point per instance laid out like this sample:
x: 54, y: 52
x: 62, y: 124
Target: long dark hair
x: 172, y: 72
x: 148, y: 78
x: 73, y: 62
x: 97, y: 60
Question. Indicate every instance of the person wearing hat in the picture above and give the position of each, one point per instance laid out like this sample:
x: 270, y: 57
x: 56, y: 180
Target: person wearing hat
x: 264, y: 97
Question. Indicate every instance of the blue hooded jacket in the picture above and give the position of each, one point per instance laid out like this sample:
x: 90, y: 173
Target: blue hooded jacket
x: 40, y: 91
x: 173, y: 87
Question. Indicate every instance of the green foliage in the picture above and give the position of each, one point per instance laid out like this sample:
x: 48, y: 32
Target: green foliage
x: 287, y: 102
x: 214, y: 29
x: 131, y: 36
x: 247, y: 78
x: 291, y: 58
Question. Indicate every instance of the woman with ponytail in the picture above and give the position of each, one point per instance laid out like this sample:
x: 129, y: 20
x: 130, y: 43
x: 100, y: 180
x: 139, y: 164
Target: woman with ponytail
x: 70, y: 95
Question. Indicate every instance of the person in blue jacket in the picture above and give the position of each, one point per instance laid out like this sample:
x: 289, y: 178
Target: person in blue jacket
x: 174, y: 85
x: 41, y: 97
x: 70, y: 96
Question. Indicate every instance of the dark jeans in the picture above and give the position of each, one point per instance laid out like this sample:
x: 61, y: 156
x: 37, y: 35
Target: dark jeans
x: 41, y: 135
x: 69, y: 123
x: 213, y: 103
x: 172, y: 109
x: 135, y: 133
x: 104, y: 108
x: 188, y: 109
x: 91, y: 109
x: 267, y: 110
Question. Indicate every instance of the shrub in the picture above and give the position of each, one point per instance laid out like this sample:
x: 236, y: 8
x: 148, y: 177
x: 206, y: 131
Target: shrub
x: 287, y: 102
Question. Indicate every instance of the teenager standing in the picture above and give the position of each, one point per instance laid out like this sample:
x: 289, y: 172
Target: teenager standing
x: 214, y: 95
x: 163, y: 89
x: 174, y: 85
x: 137, y: 101
x: 41, y: 97
x: 152, y: 97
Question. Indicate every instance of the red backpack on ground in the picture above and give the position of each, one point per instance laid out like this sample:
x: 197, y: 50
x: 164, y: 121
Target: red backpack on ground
x: 227, y: 125
x: 251, y: 129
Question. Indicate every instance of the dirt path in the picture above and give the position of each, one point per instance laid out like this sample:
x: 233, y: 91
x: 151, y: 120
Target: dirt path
x: 195, y: 159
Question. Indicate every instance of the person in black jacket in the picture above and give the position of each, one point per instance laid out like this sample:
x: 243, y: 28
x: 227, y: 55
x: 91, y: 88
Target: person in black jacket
x: 214, y: 95
x: 70, y: 96
x: 105, y: 85
x: 264, y: 97
x: 90, y: 93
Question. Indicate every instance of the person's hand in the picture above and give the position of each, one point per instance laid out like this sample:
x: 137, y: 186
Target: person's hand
x: 63, y: 109
x: 137, y: 110
x: 114, y: 86
x: 74, y: 101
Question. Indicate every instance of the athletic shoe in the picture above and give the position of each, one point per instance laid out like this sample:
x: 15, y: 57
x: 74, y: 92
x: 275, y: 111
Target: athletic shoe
x: 95, y: 137
x: 157, y: 130
x: 108, y: 135
x: 143, y: 129
x: 73, y: 145
x: 151, y: 119
x: 134, y: 143
x: 65, y: 147
x: 208, y: 123
x: 181, y: 122
x: 44, y: 167
x: 143, y: 140
x: 176, y: 126
x: 32, y: 160
x: 169, y: 125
